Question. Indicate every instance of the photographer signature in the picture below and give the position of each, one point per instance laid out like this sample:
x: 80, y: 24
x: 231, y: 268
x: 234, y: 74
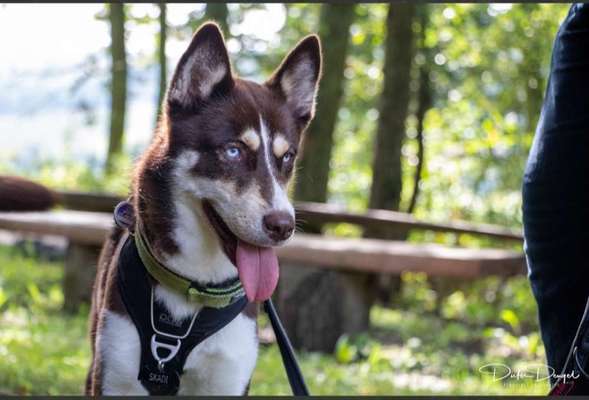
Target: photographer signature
x: 538, y: 372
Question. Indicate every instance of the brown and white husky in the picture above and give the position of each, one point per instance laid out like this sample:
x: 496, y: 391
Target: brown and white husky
x: 211, y: 195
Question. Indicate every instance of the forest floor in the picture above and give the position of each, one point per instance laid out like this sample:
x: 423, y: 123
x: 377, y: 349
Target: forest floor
x: 406, y: 351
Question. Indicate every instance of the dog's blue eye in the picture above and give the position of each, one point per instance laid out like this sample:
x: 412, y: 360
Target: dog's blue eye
x: 287, y: 157
x: 233, y: 152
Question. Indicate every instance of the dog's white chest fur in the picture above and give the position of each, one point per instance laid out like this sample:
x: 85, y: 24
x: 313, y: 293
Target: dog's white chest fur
x: 222, y: 364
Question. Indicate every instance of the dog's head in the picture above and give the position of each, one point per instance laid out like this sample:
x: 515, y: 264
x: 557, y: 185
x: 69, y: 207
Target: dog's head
x: 234, y: 142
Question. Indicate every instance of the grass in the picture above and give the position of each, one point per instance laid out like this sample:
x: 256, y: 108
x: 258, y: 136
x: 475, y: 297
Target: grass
x: 408, y: 350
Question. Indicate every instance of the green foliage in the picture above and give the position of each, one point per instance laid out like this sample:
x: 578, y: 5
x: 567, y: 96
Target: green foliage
x: 488, y: 75
x: 491, y: 301
x: 488, y: 63
x: 489, y: 72
x: 42, y: 351
x: 360, y: 347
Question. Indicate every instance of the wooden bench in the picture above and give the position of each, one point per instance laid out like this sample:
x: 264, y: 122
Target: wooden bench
x: 303, y: 260
x: 84, y: 228
x: 321, y: 213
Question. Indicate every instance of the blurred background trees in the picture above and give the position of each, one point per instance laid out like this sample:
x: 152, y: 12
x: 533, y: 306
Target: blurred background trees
x: 393, y: 107
x: 382, y: 138
x: 334, y: 29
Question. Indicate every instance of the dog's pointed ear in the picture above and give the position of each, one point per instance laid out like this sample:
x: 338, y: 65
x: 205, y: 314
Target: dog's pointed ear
x: 297, y: 78
x: 203, y: 70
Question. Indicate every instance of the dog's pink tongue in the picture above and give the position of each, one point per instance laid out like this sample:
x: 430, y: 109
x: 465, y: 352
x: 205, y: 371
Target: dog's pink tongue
x: 258, y: 270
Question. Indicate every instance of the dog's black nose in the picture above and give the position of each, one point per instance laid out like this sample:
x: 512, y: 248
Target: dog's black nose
x: 278, y: 225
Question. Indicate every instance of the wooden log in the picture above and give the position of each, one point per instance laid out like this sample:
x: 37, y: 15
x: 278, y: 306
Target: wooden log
x: 326, y: 213
x: 79, y: 272
x: 86, y: 201
x: 373, y: 255
x: 317, y: 305
x: 78, y: 226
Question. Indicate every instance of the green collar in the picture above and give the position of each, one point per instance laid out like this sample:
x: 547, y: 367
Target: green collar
x: 217, y: 296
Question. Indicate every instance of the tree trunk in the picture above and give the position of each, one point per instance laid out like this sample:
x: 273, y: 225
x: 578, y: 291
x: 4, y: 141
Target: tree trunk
x: 385, y: 192
x: 161, y: 55
x: 218, y: 12
x: 118, y: 82
x: 424, y: 102
x: 318, y: 306
x: 79, y: 272
x: 335, y: 21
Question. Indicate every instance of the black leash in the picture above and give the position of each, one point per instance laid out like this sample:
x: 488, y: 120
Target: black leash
x: 295, y: 377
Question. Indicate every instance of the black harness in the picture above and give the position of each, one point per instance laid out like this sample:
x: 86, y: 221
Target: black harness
x: 165, y: 342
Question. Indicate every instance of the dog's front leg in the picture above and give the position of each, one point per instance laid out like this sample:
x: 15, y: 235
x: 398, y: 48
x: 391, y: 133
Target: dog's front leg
x: 224, y: 363
x: 120, y: 353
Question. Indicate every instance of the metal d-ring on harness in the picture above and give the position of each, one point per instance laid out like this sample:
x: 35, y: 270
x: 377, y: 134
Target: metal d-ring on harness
x: 137, y: 270
x: 173, y: 349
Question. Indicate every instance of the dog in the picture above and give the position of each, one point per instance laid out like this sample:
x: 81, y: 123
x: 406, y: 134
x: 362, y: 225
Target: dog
x: 210, y: 195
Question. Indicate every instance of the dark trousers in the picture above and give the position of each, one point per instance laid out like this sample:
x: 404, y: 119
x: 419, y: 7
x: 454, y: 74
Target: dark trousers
x: 556, y: 191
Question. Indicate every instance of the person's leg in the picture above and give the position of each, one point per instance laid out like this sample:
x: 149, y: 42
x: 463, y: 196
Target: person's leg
x: 556, y: 191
